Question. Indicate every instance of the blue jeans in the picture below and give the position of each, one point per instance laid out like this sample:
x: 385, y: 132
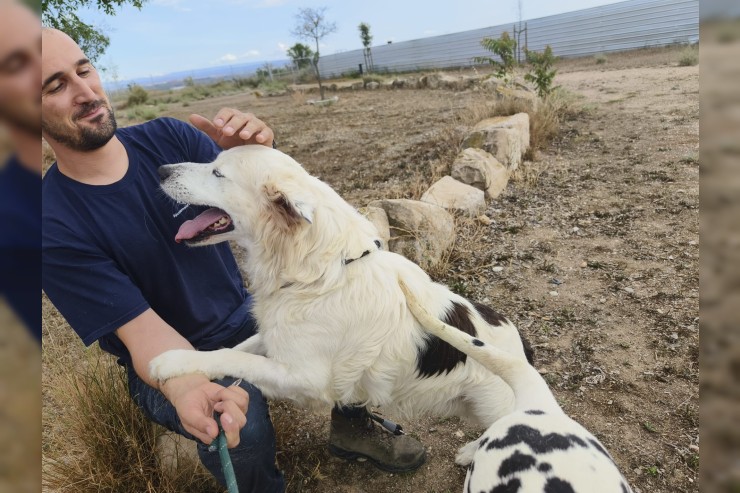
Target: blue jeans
x: 253, y: 458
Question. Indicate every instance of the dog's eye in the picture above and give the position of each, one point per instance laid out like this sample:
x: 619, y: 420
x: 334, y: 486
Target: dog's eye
x: 217, y: 173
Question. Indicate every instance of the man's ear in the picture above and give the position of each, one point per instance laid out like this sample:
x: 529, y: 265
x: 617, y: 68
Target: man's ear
x: 291, y: 212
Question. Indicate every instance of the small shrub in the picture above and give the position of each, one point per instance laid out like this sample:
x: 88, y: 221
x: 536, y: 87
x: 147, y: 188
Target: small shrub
x: 136, y: 95
x: 689, y: 57
x: 600, y: 59
x: 504, y: 48
x: 541, y: 73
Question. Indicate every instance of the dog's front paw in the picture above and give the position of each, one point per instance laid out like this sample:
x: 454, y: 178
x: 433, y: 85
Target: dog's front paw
x: 174, y: 363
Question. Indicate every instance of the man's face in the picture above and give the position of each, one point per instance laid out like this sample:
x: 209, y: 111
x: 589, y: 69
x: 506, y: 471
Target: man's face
x: 76, y: 112
x: 20, y: 67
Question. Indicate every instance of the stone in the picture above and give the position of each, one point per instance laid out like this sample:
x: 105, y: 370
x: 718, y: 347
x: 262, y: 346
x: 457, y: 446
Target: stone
x: 519, y: 121
x: 430, y: 81
x: 503, y: 143
x: 420, y: 231
x: 526, y: 98
x: 454, y: 195
x: 174, y: 450
x: 356, y: 86
x: 372, y: 85
x: 480, y: 169
x: 379, y: 218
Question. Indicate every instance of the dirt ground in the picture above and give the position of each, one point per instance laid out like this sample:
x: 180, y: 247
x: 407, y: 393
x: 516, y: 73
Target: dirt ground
x: 597, y: 237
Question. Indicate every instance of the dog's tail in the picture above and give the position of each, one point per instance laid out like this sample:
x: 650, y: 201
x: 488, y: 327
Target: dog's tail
x: 530, y: 389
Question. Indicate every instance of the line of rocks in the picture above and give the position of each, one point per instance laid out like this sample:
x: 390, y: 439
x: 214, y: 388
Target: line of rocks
x: 424, y: 230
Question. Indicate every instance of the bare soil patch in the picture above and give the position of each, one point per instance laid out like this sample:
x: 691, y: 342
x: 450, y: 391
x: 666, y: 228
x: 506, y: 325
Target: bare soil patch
x: 598, y: 240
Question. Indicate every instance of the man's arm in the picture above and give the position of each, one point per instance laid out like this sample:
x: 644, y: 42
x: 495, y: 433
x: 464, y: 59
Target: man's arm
x: 193, y: 396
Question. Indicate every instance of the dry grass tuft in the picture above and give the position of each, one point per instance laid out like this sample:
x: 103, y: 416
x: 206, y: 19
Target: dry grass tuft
x: 104, y: 443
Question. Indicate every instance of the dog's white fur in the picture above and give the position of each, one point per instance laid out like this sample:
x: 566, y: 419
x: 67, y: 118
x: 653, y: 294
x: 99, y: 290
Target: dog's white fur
x: 583, y: 464
x: 329, y: 331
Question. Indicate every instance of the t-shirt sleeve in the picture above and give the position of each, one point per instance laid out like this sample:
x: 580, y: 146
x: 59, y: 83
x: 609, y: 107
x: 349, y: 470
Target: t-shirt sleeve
x: 200, y: 148
x: 88, y: 289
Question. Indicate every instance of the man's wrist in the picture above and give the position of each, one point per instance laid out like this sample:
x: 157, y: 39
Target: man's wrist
x: 174, y: 387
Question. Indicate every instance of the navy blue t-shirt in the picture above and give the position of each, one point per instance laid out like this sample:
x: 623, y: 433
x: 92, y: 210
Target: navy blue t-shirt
x: 109, y: 251
x: 20, y: 242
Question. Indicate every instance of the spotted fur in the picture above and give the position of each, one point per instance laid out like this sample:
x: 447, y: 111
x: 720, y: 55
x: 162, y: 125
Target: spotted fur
x: 535, y: 449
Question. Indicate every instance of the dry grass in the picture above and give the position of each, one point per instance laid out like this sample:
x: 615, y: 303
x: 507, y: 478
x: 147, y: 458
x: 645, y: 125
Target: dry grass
x: 104, y: 443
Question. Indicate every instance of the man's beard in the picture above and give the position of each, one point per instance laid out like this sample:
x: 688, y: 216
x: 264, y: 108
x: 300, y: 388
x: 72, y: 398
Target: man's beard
x: 85, y: 139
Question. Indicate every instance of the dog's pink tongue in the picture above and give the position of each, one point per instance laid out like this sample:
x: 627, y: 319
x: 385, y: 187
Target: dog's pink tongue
x: 192, y: 227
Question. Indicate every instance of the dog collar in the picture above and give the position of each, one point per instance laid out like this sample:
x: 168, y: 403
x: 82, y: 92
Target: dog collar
x: 365, y: 253
x: 346, y: 261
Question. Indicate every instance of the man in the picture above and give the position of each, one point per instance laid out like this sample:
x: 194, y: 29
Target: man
x: 112, y: 268
x: 20, y: 176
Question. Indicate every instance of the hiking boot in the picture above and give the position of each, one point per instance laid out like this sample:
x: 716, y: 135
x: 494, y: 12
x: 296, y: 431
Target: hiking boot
x: 359, y: 438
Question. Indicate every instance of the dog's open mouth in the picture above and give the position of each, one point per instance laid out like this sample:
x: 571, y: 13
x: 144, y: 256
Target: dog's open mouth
x: 212, y: 222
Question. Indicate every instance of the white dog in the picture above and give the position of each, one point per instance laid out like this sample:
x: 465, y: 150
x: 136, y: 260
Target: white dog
x: 334, y: 326
x: 536, y: 448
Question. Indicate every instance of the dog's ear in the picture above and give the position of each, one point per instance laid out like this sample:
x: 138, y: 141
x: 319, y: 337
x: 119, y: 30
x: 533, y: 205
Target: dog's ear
x: 292, y: 211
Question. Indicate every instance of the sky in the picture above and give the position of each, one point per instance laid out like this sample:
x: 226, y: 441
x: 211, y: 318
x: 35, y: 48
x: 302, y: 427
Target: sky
x: 174, y: 35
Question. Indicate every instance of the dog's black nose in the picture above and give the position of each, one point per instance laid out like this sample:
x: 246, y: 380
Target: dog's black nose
x: 164, y: 172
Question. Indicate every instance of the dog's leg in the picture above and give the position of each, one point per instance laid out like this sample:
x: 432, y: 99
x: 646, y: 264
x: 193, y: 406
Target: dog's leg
x: 465, y: 454
x: 274, y: 379
x: 253, y: 345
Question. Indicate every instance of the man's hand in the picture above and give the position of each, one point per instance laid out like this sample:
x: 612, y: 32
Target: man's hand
x: 196, y: 398
x: 231, y: 128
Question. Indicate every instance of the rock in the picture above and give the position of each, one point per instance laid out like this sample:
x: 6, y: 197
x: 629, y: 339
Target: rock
x: 553, y: 293
x: 504, y: 143
x: 480, y: 169
x: 430, y: 81
x: 519, y: 121
x: 379, y: 218
x: 454, y: 195
x: 372, y: 85
x: 420, y: 231
x: 356, y: 86
x: 527, y: 99
x: 485, y: 220
x: 498, y: 268
x: 173, y: 450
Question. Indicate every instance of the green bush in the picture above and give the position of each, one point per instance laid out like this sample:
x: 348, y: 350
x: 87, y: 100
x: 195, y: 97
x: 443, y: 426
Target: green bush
x: 689, y: 57
x: 600, y: 59
x: 505, y: 48
x: 136, y: 95
x: 541, y: 73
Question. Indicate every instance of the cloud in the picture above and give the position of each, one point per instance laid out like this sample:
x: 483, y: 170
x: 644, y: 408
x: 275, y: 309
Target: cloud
x: 228, y: 58
x: 250, y: 54
x: 283, y: 47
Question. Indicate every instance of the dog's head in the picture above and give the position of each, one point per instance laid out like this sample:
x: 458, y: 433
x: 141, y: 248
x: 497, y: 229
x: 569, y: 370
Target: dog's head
x: 242, y: 186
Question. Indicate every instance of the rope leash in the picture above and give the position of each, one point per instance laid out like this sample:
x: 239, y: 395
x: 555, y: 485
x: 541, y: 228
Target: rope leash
x: 223, y: 452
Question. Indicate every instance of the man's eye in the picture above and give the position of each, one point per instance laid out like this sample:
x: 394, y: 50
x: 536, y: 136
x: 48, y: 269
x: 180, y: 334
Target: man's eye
x: 56, y: 89
x: 217, y: 173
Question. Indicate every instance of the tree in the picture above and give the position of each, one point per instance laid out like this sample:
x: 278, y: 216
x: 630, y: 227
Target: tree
x: 505, y: 48
x: 366, y: 38
x: 62, y: 15
x: 312, y: 24
x: 301, y: 55
x: 541, y: 73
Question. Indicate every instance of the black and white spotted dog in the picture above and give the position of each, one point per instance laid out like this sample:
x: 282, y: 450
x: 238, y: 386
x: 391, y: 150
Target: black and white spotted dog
x: 535, y: 449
